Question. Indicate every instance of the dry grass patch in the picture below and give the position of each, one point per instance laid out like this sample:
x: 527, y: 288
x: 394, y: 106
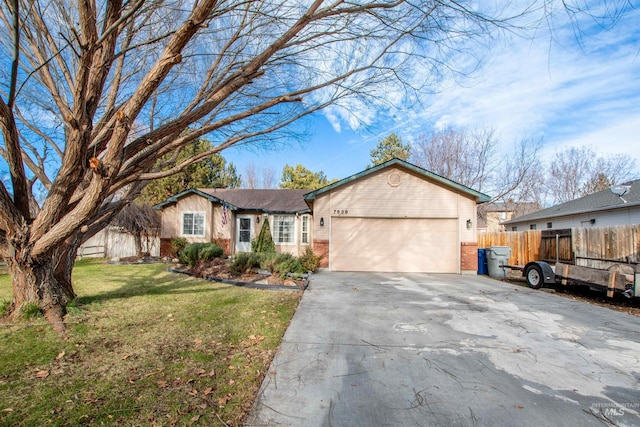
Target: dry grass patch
x: 146, y: 347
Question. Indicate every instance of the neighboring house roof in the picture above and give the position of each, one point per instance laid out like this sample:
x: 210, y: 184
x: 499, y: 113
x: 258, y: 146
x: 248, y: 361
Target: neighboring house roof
x: 272, y: 201
x: 480, y: 197
x: 518, y: 209
x: 601, y: 201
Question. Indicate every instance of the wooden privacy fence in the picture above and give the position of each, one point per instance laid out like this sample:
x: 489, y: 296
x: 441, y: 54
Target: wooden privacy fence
x: 600, y: 247
x: 595, y: 247
x: 525, y: 245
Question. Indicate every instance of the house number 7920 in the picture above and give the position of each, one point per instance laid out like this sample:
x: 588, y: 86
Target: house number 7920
x: 340, y: 211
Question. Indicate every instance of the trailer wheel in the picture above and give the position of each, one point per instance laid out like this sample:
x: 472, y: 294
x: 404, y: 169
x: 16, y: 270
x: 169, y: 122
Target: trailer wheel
x: 534, y: 277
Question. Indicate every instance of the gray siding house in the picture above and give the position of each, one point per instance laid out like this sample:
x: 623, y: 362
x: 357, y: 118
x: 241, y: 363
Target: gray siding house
x: 601, y: 209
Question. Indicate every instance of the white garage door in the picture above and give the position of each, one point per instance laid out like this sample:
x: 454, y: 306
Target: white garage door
x: 394, y: 245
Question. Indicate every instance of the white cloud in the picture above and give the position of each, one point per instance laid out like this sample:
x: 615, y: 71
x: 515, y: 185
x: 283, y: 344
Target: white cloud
x: 579, y: 89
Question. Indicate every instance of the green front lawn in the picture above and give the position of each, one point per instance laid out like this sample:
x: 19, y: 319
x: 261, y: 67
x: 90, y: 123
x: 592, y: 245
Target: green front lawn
x: 145, y: 347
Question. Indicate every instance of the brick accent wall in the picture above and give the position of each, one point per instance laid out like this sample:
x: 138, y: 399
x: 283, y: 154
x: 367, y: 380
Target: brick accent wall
x: 321, y: 249
x: 165, y: 247
x: 469, y: 256
x: 225, y: 244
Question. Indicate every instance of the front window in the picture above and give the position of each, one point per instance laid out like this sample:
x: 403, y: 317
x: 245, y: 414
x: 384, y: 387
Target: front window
x: 193, y: 224
x: 283, y: 229
x: 305, y: 230
x: 532, y: 226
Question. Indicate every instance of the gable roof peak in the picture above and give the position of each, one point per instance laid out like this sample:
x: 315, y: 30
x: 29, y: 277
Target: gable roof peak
x: 480, y: 197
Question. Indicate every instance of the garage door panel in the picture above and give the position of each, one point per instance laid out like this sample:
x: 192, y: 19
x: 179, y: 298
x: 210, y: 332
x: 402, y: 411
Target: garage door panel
x: 401, y: 245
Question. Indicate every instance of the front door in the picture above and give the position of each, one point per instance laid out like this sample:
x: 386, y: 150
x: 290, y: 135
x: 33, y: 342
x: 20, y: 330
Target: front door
x: 244, y: 233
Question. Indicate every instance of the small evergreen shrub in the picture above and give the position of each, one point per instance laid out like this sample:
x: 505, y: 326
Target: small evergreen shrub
x: 309, y: 261
x: 267, y: 261
x: 244, y: 262
x: 209, y: 252
x: 199, y: 252
x: 286, y: 263
x: 264, y: 243
x: 178, y: 244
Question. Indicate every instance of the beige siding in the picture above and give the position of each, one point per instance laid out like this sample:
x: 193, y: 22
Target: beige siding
x: 172, y: 217
x: 170, y: 222
x: 467, y: 210
x: 399, y: 244
x: 321, y: 209
x: 413, y: 197
x: 222, y: 231
x: 394, y: 193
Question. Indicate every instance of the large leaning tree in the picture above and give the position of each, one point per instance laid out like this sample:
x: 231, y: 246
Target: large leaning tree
x: 95, y: 92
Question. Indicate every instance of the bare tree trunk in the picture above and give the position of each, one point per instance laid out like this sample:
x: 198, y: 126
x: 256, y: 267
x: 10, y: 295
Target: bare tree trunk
x: 45, y: 282
x: 137, y: 238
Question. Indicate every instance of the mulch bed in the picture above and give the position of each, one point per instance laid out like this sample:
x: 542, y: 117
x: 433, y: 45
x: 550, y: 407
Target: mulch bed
x: 217, y: 270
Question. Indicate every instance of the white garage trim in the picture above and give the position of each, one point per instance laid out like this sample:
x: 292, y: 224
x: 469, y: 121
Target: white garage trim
x: 394, y: 244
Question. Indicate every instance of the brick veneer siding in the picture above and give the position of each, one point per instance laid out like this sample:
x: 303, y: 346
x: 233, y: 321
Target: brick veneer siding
x: 225, y: 244
x: 165, y: 247
x: 321, y: 249
x: 469, y: 256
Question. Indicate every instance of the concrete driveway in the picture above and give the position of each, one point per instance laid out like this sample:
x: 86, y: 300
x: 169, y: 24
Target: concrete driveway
x: 367, y: 349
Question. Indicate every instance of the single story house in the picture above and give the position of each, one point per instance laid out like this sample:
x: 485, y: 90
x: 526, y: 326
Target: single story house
x: 394, y: 217
x: 233, y: 217
x: 601, y: 209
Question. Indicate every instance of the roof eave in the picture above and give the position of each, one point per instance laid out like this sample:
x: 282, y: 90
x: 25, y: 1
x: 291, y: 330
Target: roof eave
x: 480, y: 197
x: 579, y: 212
x: 174, y: 199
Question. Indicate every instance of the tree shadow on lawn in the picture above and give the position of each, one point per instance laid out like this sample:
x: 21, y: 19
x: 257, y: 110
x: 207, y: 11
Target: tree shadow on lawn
x: 144, y: 283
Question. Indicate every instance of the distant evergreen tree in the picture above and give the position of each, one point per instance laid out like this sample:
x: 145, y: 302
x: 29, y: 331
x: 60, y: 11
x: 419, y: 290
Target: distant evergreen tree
x: 389, y: 148
x: 214, y: 172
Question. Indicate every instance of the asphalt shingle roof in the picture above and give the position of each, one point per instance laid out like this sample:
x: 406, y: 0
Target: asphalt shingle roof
x: 266, y: 200
x: 600, y: 201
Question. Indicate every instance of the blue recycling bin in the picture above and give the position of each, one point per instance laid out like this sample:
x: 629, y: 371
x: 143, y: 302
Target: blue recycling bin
x: 482, y: 262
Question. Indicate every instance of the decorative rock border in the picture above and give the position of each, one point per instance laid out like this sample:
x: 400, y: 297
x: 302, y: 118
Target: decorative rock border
x: 250, y: 285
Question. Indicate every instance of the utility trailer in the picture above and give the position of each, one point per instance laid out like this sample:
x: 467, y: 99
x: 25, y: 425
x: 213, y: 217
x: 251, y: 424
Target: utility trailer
x: 539, y: 273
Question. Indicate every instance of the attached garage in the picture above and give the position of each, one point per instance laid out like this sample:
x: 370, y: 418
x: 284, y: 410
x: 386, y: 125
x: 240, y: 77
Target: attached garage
x: 396, y: 217
x: 394, y: 244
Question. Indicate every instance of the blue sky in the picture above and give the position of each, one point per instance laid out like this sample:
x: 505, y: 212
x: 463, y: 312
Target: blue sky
x: 568, y: 90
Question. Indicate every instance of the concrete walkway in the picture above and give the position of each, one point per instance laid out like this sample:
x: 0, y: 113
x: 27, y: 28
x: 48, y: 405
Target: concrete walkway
x: 368, y: 349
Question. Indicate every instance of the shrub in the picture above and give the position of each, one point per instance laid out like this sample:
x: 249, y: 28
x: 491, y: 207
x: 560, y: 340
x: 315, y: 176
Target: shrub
x: 244, y: 262
x: 286, y: 263
x: 178, y: 244
x: 309, y: 261
x: 199, y: 252
x: 210, y: 251
x: 264, y: 243
x: 267, y: 261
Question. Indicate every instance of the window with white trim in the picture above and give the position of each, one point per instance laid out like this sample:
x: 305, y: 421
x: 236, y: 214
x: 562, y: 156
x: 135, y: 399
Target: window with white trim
x: 304, y: 234
x: 284, y: 229
x: 193, y: 224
